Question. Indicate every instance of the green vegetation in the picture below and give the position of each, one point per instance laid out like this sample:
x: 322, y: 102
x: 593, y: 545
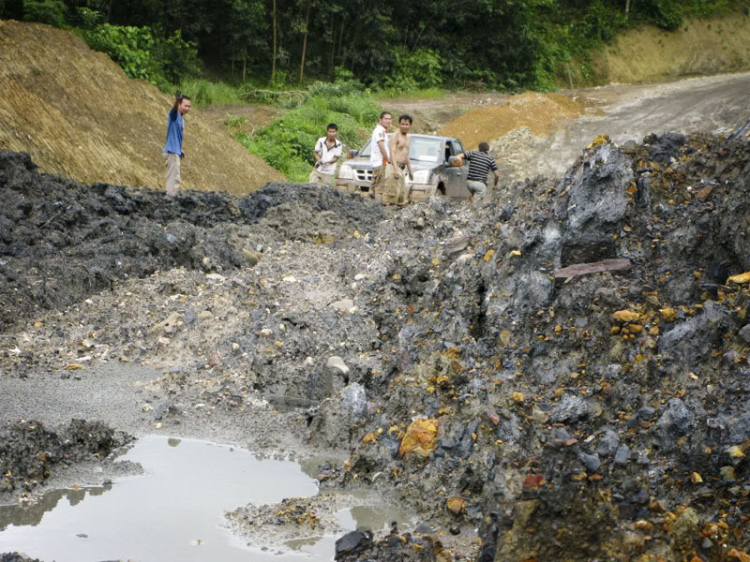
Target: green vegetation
x: 287, y: 144
x: 203, y: 92
x: 390, y: 45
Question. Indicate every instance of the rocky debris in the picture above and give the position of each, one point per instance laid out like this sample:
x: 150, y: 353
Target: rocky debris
x: 292, y: 519
x: 61, y: 241
x: 16, y: 557
x: 358, y: 546
x: 29, y: 453
x: 599, y: 418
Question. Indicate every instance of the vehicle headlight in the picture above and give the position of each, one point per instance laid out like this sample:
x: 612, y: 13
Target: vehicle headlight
x: 345, y: 172
x: 421, y: 176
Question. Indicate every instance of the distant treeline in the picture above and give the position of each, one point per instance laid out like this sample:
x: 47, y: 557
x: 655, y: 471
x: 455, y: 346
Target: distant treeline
x: 390, y: 43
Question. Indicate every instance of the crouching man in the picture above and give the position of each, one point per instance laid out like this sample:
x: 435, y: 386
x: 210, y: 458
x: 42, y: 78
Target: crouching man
x: 327, y: 152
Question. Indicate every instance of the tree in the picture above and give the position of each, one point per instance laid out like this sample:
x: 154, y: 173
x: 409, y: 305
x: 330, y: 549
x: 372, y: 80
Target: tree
x: 304, y: 42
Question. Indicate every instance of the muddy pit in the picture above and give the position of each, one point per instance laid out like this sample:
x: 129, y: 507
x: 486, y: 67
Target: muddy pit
x: 559, y: 373
x: 174, y: 501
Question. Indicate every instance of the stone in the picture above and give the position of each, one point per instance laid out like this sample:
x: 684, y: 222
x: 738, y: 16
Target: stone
x: 674, y: 423
x: 745, y: 333
x: 337, y: 363
x: 591, y: 462
x: 571, y: 408
x: 343, y: 305
x: 354, y: 400
x: 608, y: 443
x: 622, y: 456
x: 419, y: 438
x: 727, y: 473
x: 353, y: 542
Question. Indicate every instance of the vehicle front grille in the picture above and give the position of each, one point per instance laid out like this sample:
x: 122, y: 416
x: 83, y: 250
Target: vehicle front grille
x: 364, y: 175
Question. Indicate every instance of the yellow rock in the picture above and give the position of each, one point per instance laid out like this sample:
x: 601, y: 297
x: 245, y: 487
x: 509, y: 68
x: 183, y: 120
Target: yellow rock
x: 419, y: 438
x: 505, y: 337
x: 635, y: 328
x: 668, y: 313
x: 518, y: 397
x: 514, y: 254
x: 696, y: 478
x: 740, y: 279
x: 370, y: 438
x: 488, y: 256
x: 456, y: 505
x: 736, y: 452
x: 74, y: 367
x: 626, y: 316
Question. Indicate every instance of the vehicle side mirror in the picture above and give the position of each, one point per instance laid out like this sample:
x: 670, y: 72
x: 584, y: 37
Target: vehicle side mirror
x: 353, y: 153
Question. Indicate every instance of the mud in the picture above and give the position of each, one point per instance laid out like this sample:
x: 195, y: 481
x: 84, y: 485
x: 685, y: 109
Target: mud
x: 441, y: 352
x: 29, y: 453
x: 61, y: 241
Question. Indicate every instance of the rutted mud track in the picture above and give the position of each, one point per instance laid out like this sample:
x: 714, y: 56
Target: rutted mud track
x: 439, y: 349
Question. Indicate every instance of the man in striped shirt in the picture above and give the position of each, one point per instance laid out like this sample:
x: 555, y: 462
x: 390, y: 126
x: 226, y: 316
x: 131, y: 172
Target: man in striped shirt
x: 480, y: 164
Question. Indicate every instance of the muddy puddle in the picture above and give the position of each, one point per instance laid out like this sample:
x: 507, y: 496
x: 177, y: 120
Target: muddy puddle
x: 174, y: 510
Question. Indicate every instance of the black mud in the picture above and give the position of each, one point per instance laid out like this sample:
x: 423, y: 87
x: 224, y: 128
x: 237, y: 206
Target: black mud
x: 61, y: 241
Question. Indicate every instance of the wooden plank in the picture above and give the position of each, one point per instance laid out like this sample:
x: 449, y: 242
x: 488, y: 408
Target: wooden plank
x: 571, y: 271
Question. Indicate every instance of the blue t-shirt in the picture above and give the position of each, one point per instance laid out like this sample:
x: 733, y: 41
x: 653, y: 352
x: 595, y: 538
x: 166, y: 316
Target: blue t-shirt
x: 175, y: 125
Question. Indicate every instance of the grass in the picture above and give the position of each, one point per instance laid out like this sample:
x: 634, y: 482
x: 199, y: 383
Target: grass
x: 425, y: 93
x: 203, y: 92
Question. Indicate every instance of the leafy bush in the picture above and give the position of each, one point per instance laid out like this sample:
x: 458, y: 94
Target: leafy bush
x: 161, y: 60
x: 128, y: 46
x: 51, y: 12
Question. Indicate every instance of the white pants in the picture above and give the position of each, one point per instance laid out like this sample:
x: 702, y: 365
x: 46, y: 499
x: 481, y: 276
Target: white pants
x: 172, y: 161
x: 477, y: 189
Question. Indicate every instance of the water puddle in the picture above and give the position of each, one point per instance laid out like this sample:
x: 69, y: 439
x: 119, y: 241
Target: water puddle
x: 173, y: 512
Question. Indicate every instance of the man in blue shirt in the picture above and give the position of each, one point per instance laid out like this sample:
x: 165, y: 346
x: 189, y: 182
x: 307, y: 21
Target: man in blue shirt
x: 173, y: 145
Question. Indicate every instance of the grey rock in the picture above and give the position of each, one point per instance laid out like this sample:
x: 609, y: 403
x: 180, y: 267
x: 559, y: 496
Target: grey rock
x: 745, y: 333
x: 571, y: 408
x: 354, y: 399
x: 591, y: 462
x: 675, y: 422
x: 622, y: 456
x: 608, y: 443
x: 739, y: 429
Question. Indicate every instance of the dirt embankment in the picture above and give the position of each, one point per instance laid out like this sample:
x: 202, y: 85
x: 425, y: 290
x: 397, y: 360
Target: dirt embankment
x: 78, y: 115
x: 699, y: 47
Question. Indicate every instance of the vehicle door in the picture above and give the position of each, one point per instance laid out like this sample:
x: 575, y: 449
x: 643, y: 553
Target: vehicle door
x: 462, y: 174
x: 451, y: 175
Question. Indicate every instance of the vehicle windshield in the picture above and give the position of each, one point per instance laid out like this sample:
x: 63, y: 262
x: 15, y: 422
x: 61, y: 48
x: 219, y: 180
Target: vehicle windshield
x: 424, y: 149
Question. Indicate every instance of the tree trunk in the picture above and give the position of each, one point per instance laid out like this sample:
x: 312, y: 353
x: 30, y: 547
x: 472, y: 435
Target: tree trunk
x: 333, y: 48
x: 627, y: 8
x: 273, y: 55
x: 304, y: 43
x: 244, y: 68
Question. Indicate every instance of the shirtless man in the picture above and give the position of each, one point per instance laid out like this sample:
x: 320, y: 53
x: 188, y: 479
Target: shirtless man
x: 400, y: 158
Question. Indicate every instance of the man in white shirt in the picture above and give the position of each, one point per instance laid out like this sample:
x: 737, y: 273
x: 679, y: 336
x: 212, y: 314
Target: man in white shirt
x: 327, y: 152
x: 379, y: 157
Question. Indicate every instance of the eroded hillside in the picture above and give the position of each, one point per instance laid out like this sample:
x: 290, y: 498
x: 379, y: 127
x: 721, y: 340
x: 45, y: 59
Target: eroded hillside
x: 78, y: 115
